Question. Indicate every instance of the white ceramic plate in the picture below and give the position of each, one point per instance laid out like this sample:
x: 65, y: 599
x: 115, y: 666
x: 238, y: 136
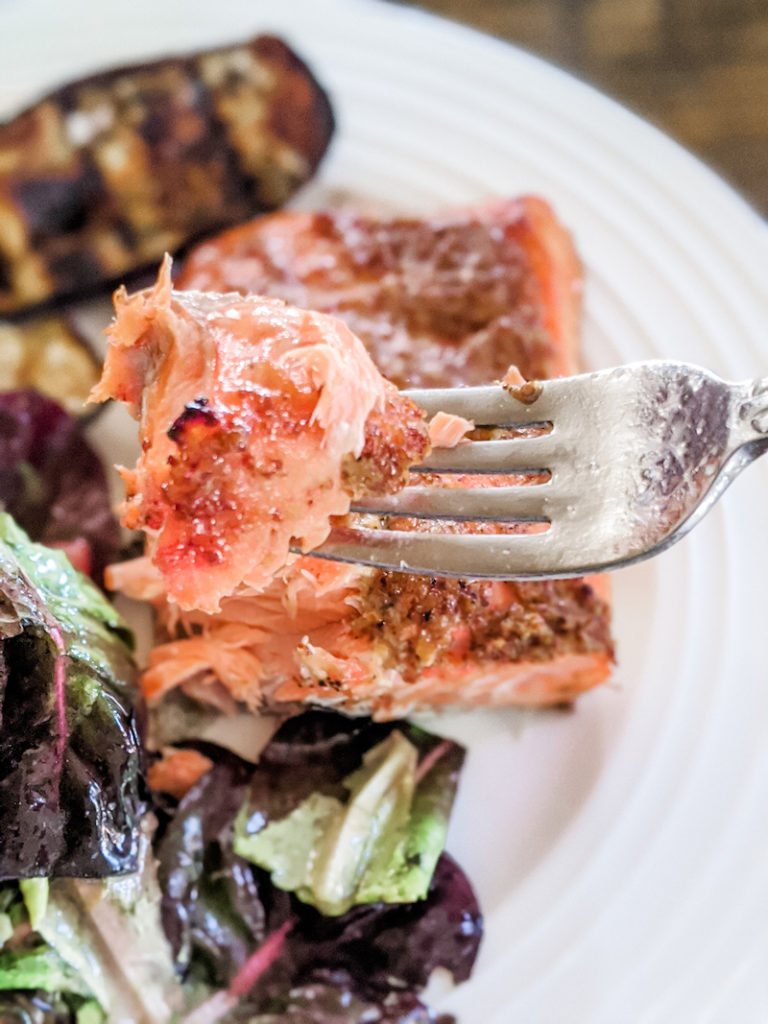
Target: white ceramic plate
x: 620, y: 851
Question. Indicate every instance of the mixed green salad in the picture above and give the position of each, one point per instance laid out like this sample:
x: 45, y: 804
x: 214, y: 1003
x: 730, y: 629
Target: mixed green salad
x: 310, y: 886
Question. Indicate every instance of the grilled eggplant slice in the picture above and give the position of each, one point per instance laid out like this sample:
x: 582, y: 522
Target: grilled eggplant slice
x: 103, y: 176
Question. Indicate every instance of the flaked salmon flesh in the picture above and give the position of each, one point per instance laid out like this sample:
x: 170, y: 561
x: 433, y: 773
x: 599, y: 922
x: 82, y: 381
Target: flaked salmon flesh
x: 258, y: 423
x: 352, y: 638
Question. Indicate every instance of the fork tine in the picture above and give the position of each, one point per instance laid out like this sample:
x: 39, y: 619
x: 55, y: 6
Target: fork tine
x: 516, y: 455
x: 489, y: 405
x: 523, y: 504
x: 471, y: 556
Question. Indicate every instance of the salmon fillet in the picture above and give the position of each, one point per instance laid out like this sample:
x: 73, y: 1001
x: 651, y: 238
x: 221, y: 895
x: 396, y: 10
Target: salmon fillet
x: 452, y: 300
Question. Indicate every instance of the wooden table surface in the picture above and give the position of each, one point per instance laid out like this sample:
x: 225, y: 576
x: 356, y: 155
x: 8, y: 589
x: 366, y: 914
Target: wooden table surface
x: 698, y: 69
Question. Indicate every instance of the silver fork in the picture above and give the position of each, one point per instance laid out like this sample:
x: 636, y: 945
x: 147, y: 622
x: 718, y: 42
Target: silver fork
x: 632, y: 458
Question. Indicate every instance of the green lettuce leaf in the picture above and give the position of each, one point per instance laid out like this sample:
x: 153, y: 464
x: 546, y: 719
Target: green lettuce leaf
x: 39, y: 968
x: 375, y: 837
x: 34, y: 891
x: 100, y: 940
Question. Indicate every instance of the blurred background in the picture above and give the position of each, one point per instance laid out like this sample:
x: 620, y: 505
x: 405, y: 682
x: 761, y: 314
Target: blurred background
x: 698, y: 69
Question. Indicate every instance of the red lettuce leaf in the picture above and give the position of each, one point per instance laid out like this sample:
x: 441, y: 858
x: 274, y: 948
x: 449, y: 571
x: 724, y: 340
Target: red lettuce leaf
x: 51, y: 481
x: 218, y: 908
x: 332, y: 1000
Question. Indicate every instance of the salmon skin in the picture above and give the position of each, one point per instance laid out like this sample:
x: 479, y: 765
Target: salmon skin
x: 428, y: 298
x: 101, y: 177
